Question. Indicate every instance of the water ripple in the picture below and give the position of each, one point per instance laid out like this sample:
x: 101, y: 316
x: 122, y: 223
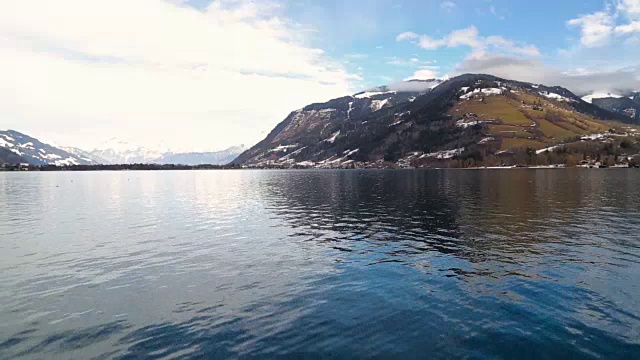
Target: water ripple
x: 316, y: 264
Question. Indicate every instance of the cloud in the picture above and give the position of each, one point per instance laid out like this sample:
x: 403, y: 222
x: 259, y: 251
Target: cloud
x: 628, y: 28
x: 423, y: 74
x: 407, y: 36
x: 76, y: 70
x: 629, y: 8
x: 470, y: 37
x: 533, y: 70
x: 616, y: 19
x: 448, y: 6
x: 596, y: 28
x: 412, y: 62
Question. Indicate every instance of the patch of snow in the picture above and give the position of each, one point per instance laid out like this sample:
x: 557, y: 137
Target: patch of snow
x: 306, y: 163
x: 350, y: 152
x: 378, y: 104
x: 399, y: 121
x: 291, y: 154
x: 412, y: 99
x: 446, y: 154
x: 593, y: 137
x: 535, y: 86
x: 555, y: 96
x: 28, y: 145
x: 4, y: 143
x: 368, y: 94
x: 349, y: 110
x: 283, y: 148
x: 486, y: 91
x: 464, y: 125
x: 333, y: 137
x: 551, y: 148
x: 66, y: 162
x: 486, y: 140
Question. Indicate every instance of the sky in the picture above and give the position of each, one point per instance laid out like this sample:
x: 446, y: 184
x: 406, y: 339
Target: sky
x: 198, y: 75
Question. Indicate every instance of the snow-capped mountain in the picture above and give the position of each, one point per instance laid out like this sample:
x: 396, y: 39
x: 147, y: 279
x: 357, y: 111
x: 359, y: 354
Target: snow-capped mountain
x: 84, y: 155
x: 36, y: 152
x: 122, y: 152
x: 117, y: 151
x: 199, y: 158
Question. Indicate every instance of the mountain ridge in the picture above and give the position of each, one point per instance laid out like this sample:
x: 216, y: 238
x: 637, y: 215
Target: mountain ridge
x: 517, y: 115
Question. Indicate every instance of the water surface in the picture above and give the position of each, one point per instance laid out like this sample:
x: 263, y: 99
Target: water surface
x: 320, y: 264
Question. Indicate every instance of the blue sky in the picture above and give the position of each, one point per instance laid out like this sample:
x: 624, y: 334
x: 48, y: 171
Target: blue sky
x: 204, y: 75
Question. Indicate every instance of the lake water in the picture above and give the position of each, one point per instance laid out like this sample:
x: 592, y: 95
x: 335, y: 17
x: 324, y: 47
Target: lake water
x: 320, y: 264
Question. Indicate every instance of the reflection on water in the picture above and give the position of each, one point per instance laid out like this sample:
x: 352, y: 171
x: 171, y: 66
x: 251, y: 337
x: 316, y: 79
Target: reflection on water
x: 340, y: 264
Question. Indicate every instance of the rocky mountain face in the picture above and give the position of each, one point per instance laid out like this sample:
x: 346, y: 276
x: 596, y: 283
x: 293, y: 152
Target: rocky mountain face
x: 318, y: 126
x: 469, y: 116
x: 622, y: 105
x: 35, y: 152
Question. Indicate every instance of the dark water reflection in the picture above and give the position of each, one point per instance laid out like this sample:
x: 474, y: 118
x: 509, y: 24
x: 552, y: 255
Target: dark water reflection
x: 317, y: 264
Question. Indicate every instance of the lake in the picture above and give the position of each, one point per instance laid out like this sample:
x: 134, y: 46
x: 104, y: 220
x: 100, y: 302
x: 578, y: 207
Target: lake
x: 320, y: 264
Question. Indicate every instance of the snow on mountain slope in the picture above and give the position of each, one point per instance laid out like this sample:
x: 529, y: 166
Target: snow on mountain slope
x: 222, y: 157
x: 84, y: 155
x: 123, y: 152
x: 117, y: 151
x: 38, y: 153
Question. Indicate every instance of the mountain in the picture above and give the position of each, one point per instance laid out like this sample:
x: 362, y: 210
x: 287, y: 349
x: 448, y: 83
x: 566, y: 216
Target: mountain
x: 621, y: 105
x: 121, y: 152
x: 199, y: 158
x: 471, y: 116
x: 36, y: 152
x: 319, y: 125
x: 88, y: 156
x: 9, y: 157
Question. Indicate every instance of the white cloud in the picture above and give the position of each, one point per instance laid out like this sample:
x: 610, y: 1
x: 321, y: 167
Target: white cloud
x: 448, y: 6
x: 580, y: 81
x: 630, y: 8
x: 412, y: 62
x: 598, y: 29
x: 470, y: 37
x: 407, y: 36
x: 79, y: 71
x: 423, y: 74
x: 628, y: 28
